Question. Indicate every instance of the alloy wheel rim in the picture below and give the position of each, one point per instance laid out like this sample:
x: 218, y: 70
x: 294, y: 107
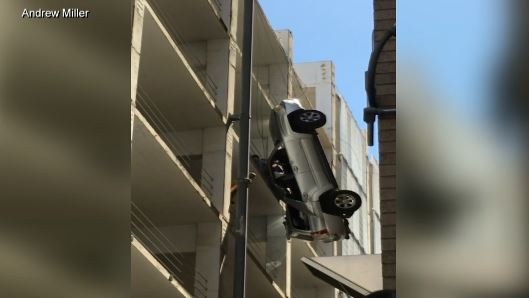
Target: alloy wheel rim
x: 345, y: 201
x: 310, y: 116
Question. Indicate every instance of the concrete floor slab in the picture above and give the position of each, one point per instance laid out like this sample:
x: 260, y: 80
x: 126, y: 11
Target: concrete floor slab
x: 355, y: 275
x: 161, y: 187
x: 149, y: 278
x: 186, y: 14
x: 167, y: 85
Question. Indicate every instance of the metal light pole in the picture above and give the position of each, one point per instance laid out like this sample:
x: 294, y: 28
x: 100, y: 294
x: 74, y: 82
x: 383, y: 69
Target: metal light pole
x: 241, y: 210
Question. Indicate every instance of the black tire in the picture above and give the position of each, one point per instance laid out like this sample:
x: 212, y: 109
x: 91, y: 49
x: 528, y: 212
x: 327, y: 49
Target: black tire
x: 306, y: 121
x: 342, y: 203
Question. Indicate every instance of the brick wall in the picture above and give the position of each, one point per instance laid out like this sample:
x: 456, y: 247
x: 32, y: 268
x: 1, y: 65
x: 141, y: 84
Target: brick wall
x: 385, y: 17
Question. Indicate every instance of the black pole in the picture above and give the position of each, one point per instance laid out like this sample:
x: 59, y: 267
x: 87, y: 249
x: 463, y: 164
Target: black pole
x: 241, y: 210
x: 372, y: 110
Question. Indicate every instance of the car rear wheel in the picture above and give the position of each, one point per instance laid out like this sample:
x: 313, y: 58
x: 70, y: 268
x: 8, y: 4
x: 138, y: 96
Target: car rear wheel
x: 306, y: 121
x: 341, y: 203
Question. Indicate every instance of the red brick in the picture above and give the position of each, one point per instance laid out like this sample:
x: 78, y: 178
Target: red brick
x: 386, y: 89
x: 384, y: 25
x: 388, y: 116
x: 385, y: 124
x: 390, y: 283
x: 387, y: 135
x: 388, y: 182
x: 391, y: 45
x: 387, y: 147
x: 386, y: 101
x: 379, y: 34
x: 386, y: 67
x: 389, y: 257
x: 388, y: 170
x: 384, y: 4
x: 388, y: 158
x: 385, y: 14
x: 387, y: 56
x: 388, y: 194
x: 389, y: 244
x: 389, y: 270
x: 388, y: 206
x: 382, y: 187
x: 385, y: 17
x: 388, y: 219
x: 385, y: 78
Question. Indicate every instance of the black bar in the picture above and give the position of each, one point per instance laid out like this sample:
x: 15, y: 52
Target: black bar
x: 241, y: 210
x: 371, y: 111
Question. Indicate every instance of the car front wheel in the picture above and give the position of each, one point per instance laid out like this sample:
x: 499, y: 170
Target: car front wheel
x: 306, y: 121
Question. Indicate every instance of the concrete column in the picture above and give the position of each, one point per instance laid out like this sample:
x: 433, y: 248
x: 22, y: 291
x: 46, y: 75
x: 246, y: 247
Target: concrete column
x: 286, y: 41
x: 357, y: 231
x: 217, y: 67
x: 279, y: 81
x: 276, y: 249
x: 228, y: 174
x: 337, y: 293
x: 208, y: 256
x: 181, y: 238
x: 336, y: 110
x: 340, y: 123
x: 232, y: 78
x: 262, y: 74
x: 235, y: 19
x: 288, y: 269
x: 212, y: 58
x: 135, y: 50
x: 225, y: 12
x: 187, y: 142
x: 196, y: 53
x: 210, y: 160
x: 214, y: 164
x: 374, y: 211
x: 324, y: 94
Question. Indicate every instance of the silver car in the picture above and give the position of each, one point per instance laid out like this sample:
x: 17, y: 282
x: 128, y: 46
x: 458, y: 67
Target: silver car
x: 299, y: 174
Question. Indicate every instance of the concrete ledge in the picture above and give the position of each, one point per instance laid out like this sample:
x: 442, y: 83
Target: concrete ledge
x: 149, y: 278
x: 357, y: 276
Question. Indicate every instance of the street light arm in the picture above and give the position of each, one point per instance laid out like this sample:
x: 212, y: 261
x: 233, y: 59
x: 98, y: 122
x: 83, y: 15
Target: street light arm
x: 372, y: 110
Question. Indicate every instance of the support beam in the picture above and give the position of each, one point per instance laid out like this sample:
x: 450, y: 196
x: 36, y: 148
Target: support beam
x: 214, y: 164
x: 135, y: 52
x: 207, y: 260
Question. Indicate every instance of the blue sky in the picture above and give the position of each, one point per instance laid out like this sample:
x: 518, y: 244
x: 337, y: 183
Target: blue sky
x: 337, y: 30
x: 456, y: 43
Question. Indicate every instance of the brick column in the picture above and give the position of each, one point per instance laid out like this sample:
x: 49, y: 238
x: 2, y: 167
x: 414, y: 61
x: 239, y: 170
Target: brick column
x: 385, y: 17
